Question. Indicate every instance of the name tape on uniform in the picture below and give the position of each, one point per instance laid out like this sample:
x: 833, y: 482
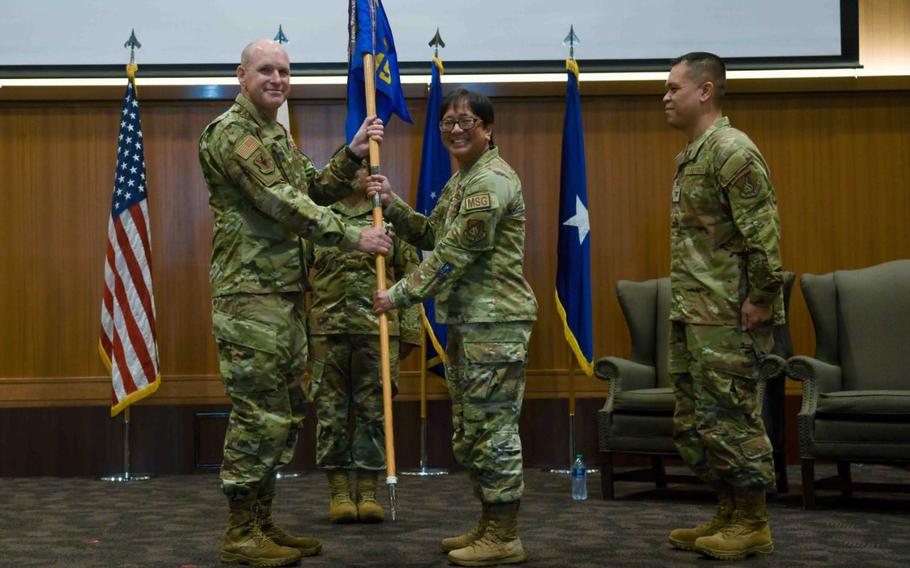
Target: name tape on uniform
x: 479, y: 201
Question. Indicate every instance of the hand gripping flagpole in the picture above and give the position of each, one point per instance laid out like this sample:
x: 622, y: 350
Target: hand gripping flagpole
x: 425, y: 470
x: 369, y: 81
x: 127, y: 476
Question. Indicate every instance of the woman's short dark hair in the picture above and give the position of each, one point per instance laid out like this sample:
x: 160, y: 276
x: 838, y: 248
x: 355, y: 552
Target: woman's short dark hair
x: 477, y: 102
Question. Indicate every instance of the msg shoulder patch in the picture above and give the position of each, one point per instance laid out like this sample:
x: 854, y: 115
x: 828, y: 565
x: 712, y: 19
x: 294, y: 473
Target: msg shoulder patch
x: 246, y: 147
x: 478, y: 202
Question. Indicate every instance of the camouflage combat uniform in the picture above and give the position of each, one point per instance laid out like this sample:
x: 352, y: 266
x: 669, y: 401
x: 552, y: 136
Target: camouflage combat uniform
x: 263, y: 194
x: 476, y: 233
x: 344, y: 366
x: 725, y: 239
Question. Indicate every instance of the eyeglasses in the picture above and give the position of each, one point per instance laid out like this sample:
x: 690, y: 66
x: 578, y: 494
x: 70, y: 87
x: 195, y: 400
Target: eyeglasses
x: 465, y: 123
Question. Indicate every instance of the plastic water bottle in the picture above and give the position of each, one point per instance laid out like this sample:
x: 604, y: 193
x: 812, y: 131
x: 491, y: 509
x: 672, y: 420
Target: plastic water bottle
x: 579, y: 479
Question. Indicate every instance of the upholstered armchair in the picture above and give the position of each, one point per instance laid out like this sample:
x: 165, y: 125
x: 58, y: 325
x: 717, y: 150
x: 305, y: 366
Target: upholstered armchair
x: 637, y: 417
x: 856, y: 390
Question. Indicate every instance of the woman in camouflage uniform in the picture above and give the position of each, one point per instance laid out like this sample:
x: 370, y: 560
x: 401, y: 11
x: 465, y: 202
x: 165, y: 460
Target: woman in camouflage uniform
x: 476, y: 234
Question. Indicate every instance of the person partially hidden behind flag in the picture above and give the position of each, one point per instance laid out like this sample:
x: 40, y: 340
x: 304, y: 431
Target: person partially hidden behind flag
x: 263, y: 193
x: 476, y: 233
x: 344, y: 364
x: 726, y: 286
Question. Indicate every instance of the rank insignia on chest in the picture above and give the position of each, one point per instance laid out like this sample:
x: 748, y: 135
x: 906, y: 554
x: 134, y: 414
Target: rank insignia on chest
x: 475, y: 231
x: 264, y: 163
x: 477, y: 202
x: 676, y: 192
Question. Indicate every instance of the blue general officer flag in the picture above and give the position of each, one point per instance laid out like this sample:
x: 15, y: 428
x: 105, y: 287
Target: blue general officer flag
x: 573, y: 272
x: 371, y: 33
x: 435, y: 171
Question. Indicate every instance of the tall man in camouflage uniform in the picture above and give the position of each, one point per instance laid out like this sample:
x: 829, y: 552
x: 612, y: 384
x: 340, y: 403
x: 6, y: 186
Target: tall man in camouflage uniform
x: 263, y: 194
x: 476, y: 233
x: 344, y: 369
x: 725, y: 281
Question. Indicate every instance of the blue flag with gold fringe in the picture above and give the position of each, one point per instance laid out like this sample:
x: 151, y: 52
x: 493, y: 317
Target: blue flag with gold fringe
x: 369, y: 32
x: 573, y: 272
x: 435, y: 171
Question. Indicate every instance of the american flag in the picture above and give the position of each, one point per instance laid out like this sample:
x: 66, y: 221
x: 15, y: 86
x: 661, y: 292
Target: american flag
x: 128, y: 339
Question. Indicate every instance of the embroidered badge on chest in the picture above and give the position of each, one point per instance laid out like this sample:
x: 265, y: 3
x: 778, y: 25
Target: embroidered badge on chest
x: 264, y: 163
x: 477, y: 202
x: 475, y: 231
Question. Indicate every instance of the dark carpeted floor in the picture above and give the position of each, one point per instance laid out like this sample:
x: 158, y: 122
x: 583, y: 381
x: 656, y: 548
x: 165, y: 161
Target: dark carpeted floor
x: 177, y: 521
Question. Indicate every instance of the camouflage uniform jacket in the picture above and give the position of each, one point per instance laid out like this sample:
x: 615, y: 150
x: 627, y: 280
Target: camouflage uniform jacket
x: 265, y: 195
x: 476, y: 233
x: 724, y: 230
x: 344, y: 281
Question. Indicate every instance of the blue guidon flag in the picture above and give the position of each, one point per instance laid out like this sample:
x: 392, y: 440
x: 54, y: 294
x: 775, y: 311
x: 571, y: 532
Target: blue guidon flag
x: 573, y: 272
x: 369, y: 32
x: 435, y: 171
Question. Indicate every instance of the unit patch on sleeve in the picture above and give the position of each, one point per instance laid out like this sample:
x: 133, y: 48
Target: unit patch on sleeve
x: 477, y: 202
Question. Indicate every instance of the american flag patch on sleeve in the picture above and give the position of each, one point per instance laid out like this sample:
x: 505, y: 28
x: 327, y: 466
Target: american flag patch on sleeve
x: 246, y: 147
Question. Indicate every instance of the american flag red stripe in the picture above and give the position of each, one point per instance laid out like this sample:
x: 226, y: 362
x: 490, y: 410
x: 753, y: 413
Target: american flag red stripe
x: 128, y: 341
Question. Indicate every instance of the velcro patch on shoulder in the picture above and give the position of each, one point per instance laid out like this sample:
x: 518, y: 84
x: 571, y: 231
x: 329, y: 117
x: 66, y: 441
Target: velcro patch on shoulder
x: 246, y: 147
x: 478, y: 202
x: 733, y: 167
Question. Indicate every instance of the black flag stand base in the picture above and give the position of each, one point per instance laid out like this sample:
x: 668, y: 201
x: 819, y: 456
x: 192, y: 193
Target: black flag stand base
x: 568, y: 470
x: 424, y: 470
x: 126, y: 476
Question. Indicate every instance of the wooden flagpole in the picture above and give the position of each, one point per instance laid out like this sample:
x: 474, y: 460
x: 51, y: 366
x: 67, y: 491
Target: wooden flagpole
x: 369, y: 81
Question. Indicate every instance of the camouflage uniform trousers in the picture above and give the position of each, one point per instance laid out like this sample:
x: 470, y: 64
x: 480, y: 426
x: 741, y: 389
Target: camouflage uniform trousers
x: 717, y: 425
x: 262, y: 353
x: 345, y: 378
x: 486, y: 379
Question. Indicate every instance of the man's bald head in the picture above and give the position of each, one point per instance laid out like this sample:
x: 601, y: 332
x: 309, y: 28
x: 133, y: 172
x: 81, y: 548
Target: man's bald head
x: 264, y: 75
x: 260, y: 46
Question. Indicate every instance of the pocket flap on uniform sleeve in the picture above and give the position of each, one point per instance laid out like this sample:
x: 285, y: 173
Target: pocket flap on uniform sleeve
x: 496, y: 352
x: 244, y: 332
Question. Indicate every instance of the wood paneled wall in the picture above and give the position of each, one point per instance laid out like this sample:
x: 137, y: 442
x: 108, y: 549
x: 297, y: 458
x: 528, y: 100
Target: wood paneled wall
x: 840, y: 163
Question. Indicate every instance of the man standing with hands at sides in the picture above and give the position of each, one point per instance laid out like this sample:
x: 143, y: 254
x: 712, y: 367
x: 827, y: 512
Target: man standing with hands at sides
x: 266, y: 197
x: 476, y: 233
x: 726, y: 290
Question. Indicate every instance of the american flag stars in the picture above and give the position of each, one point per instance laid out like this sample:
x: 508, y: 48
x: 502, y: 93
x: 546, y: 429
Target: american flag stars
x: 130, y: 157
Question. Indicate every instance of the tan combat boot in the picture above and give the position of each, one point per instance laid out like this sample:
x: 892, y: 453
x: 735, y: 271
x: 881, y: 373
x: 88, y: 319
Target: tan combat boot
x: 747, y: 533
x: 368, y: 509
x: 499, y: 543
x: 341, y: 507
x: 684, y: 539
x: 306, y: 546
x: 245, y: 543
x: 463, y: 540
